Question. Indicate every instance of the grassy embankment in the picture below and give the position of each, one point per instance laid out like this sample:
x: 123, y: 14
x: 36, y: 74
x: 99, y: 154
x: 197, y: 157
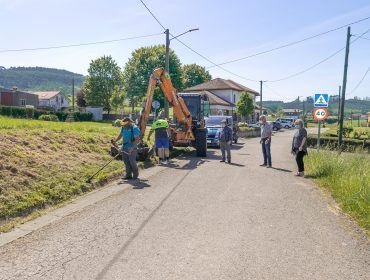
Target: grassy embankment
x: 347, y: 177
x: 43, y: 164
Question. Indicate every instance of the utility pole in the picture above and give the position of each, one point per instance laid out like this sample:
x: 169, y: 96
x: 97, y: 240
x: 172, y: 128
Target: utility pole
x: 340, y: 135
x: 298, y: 107
x: 340, y: 88
x: 304, y: 112
x: 261, y: 82
x: 73, y: 95
x: 167, y: 67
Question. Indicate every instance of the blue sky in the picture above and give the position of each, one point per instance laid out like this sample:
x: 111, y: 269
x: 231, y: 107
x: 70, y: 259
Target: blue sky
x: 228, y: 30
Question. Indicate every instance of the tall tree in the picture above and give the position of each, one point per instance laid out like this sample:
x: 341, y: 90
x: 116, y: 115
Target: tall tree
x: 104, y: 75
x: 140, y: 66
x: 194, y: 74
x: 117, y: 98
x: 245, y: 106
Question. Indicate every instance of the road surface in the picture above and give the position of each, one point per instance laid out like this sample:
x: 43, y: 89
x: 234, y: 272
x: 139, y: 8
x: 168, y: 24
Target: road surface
x: 201, y: 219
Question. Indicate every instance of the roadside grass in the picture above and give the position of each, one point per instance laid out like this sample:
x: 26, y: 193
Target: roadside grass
x: 44, y: 164
x: 347, y: 177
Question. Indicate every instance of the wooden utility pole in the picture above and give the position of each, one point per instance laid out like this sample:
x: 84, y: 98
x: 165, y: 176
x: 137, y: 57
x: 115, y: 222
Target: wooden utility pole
x: 340, y: 88
x: 340, y: 134
x: 73, y: 95
x: 261, y: 82
x: 167, y: 66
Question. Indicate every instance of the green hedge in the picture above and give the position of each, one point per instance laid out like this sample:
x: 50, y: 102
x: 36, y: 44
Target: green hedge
x: 30, y: 113
x: 331, y: 143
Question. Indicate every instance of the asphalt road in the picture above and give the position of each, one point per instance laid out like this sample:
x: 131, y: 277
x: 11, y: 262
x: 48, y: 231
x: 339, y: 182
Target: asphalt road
x: 201, y: 219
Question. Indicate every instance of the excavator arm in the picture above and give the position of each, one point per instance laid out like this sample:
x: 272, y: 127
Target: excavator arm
x: 180, y: 110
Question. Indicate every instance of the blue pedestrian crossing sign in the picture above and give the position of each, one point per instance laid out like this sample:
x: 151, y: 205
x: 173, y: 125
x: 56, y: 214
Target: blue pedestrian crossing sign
x: 321, y: 100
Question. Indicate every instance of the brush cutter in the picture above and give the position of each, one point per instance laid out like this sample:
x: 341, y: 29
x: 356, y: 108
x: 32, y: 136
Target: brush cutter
x: 117, y: 152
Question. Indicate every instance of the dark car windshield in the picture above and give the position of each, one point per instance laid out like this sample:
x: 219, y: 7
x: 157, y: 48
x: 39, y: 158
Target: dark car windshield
x: 214, y: 121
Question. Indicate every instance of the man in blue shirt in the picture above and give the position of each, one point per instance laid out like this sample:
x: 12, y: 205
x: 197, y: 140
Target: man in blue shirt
x: 162, y: 142
x: 130, y: 135
x: 225, y: 136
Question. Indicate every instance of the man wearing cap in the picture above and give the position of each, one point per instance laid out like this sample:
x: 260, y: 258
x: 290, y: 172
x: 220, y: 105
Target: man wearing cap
x: 162, y: 141
x: 225, y: 136
x: 130, y: 135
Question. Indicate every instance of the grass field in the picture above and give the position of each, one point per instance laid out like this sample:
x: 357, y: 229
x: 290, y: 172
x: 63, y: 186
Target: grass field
x: 347, y: 177
x: 46, y: 163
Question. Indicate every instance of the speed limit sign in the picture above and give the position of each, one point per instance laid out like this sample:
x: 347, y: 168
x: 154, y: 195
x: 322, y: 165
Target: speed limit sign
x: 320, y: 113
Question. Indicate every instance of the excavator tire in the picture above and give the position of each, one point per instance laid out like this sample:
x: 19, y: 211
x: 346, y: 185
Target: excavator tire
x: 201, y: 142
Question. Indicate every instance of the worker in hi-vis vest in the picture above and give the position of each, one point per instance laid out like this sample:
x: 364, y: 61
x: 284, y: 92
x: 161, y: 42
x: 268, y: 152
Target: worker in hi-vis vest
x: 162, y: 139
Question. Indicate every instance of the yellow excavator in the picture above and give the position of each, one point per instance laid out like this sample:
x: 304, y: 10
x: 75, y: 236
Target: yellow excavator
x: 188, y: 108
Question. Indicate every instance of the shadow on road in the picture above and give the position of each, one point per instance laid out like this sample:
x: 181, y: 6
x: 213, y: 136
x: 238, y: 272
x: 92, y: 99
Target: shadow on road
x: 137, y: 184
x: 281, y: 169
x: 236, y: 164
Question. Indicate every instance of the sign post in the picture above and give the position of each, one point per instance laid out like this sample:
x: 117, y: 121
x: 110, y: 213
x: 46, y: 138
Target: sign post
x: 155, y: 105
x: 320, y: 113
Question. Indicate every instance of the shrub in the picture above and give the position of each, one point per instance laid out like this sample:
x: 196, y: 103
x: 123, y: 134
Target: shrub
x: 331, y: 143
x: 243, y: 124
x: 53, y: 118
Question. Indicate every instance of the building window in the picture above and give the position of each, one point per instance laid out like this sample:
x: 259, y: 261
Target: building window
x: 61, y: 100
x: 234, y: 99
x: 23, y: 102
x: 57, y: 99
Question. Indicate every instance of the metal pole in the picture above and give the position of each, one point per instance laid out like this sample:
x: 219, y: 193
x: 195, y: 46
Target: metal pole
x: 167, y: 67
x: 340, y: 134
x: 261, y: 82
x: 318, y: 135
x: 73, y: 95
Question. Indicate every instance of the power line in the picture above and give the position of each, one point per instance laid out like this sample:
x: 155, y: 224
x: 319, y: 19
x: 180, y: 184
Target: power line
x: 81, y: 44
x: 142, y: 2
x: 360, y: 82
x: 196, y: 52
x: 210, y: 61
x: 309, y: 68
x: 289, y: 44
x: 320, y: 62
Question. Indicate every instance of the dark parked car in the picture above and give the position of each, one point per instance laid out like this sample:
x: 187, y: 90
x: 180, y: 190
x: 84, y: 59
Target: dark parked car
x: 276, y: 126
x: 213, y: 125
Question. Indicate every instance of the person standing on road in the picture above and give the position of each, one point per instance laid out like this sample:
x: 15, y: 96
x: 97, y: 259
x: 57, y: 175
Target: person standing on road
x: 225, y: 136
x: 266, y: 133
x: 130, y: 135
x: 162, y: 139
x: 299, y: 146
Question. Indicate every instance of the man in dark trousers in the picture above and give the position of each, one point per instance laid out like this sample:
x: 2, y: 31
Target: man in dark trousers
x: 130, y: 135
x: 225, y: 136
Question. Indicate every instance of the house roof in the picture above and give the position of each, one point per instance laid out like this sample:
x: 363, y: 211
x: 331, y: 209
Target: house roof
x: 45, y: 95
x: 212, y: 98
x: 218, y: 83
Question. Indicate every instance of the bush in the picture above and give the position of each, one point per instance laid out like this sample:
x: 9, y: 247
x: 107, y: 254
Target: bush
x: 30, y: 113
x: 243, y: 124
x: 53, y: 118
x: 331, y: 143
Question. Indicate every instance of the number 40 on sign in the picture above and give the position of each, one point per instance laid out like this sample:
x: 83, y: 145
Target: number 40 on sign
x: 320, y: 114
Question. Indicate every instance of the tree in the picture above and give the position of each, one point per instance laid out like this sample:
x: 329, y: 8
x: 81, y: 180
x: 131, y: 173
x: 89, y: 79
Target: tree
x: 245, y: 106
x: 81, y: 102
x: 140, y: 66
x: 104, y: 75
x: 117, y: 98
x: 194, y: 74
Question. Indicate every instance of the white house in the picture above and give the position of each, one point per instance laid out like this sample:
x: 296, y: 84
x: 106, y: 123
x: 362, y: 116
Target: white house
x: 226, y: 90
x: 52, y: 99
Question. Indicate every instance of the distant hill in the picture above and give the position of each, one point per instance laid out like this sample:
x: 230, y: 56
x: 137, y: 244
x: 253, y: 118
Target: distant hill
x: 354, y: 105
x: 39, y: 79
